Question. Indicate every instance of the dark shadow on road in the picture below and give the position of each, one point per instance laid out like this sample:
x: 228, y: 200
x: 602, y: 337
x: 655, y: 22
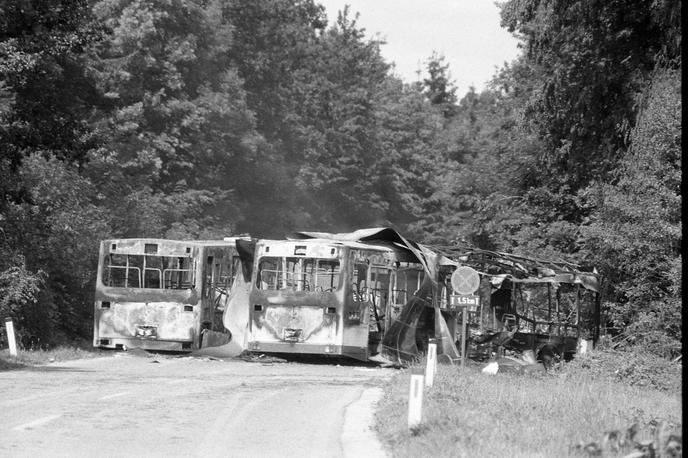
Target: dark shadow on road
x: 308, y: 359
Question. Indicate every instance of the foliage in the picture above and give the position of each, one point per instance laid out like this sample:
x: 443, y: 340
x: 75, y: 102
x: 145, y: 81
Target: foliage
x: 49, y: 95
x: 438, y: 87
x: 19, y: 289
x: 179, y: 118
x: 489, y: 167
x: 539, y: 163
x: 271, y: 44
x: 56, y: 230
x: 637, y: 231
x: 43, y: 67
x: 273, y: 47
x: 411, y: 154
x: 637, y: 367
x: 577, y: 84
x: 591, y: 59
x: 337, y: 115
x: 202, y: 118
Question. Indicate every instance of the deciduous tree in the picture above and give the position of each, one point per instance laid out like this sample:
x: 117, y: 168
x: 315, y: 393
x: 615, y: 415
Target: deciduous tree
x: 636, y: 233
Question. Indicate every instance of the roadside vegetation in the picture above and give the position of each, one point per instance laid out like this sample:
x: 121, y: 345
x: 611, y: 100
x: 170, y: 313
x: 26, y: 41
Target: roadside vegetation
x: 36, y: 357
x: 467, y: 413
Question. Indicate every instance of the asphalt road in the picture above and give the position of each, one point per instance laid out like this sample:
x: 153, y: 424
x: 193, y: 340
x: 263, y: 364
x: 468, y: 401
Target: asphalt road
x: 137, y: 404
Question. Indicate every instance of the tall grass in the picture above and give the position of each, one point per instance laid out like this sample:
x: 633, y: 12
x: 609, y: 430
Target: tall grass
x: 37, y: 357
x: 470, y: 414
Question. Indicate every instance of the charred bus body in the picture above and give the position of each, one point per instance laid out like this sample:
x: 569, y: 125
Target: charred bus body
x: 373, y: 291
x: 351, y: 294
x: 551, y: 308
x: 323, y: 296
x: 160, y: 294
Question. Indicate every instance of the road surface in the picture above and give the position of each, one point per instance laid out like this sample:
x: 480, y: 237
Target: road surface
x: 139, y: 404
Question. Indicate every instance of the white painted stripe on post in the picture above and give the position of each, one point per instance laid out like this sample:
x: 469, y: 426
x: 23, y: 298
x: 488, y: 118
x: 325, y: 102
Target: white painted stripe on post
x: 415, y: 398
x: 11, y: 339
x: 37, y: 422
x: 431, y: 366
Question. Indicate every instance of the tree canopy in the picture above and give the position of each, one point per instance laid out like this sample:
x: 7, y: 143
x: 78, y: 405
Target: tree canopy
x: 209, y: 118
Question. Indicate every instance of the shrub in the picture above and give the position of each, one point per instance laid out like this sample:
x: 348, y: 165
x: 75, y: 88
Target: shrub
x: 636, y: 368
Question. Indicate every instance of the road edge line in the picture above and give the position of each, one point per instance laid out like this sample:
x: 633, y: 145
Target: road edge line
x: 358, y: 436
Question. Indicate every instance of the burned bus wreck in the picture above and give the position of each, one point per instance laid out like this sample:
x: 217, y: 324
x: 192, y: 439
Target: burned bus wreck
x: 550, y: 308
x: 325, y: 294
x: 374, y: 295
x: 161, y: 294
x: 522, y: 305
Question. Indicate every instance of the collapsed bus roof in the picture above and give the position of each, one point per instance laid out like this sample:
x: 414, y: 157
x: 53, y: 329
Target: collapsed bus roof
x: 330, y: 241
x: 499, y: 266
x: 495, y: 265
x: 428, y: 258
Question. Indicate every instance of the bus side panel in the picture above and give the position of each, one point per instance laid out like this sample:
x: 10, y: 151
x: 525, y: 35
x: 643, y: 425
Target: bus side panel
x: 144, y: 322
x: 356, y: 319
x: 97, y: 304
x: 215, y: 285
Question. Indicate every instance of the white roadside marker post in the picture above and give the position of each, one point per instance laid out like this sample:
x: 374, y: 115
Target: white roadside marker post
x: 10, y: 336
x: 415, y: 398
x: 431, y: 366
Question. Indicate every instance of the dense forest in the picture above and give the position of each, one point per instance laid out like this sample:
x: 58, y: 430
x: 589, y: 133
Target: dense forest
x: 208, y: 118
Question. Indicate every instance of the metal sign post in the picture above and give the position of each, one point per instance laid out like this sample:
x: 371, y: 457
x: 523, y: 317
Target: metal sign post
x: 464, y: 303
x: 465, y: 282
x: 464, y: 328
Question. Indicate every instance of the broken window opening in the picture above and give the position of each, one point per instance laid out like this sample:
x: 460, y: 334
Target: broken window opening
x: 360, y: 282
x: 298, y: 274
x: 327, y: 276
x: 148, y: 271
x: 408, y: 281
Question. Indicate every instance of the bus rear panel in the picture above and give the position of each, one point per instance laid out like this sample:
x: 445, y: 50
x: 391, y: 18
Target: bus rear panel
x: 322, y: 297
x: 160, y: 294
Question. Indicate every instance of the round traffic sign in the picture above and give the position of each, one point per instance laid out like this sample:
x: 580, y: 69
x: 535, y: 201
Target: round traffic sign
x: 465, y: 280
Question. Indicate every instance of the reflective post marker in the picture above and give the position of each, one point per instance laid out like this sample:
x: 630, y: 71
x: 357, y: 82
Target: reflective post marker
x: 10, y: 337
x: 431, y: 366
x: 415, y: 398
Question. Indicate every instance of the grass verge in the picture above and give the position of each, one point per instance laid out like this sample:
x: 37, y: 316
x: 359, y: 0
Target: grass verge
x: 26, y: 358
x: 470, y: 414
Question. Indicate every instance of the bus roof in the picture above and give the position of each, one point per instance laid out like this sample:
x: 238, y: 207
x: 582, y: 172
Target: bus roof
x: 385, y: 237
x: 155, y: 246
x: 331, y: 242
x: 132, y: 241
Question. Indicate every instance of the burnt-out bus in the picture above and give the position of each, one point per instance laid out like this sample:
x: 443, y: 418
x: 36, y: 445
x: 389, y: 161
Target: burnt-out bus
x: 327, y: 296
x: 161, y: 294
x: 525, y: 303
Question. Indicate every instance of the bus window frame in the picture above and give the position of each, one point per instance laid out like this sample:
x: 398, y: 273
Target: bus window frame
x: 286, y: 276
x: 187, y: 275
